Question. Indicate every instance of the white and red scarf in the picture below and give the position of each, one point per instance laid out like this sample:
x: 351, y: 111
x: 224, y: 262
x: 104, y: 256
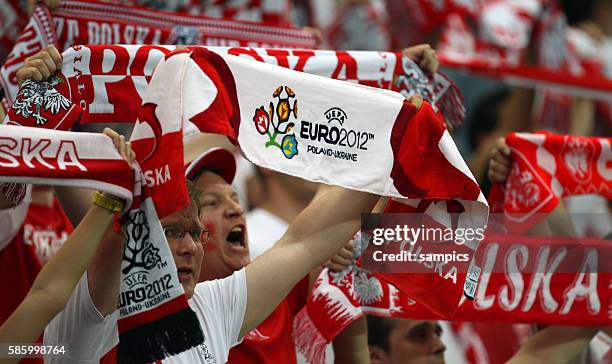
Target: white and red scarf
x: 298, y: 127
x: 154, y: 323
x: 537, y: 280
x: 94, y: 71
x: 89, y: 22
x: 547, y: 167
x: 277, y: 12
x: 224, y: 94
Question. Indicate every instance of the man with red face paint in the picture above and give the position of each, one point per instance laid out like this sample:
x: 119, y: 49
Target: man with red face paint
x: 228, y: 251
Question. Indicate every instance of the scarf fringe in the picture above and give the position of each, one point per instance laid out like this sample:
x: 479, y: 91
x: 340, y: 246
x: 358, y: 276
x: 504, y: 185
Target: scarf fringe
x: 450, y: 104
x: 308, y: 339
x: 159, y: 339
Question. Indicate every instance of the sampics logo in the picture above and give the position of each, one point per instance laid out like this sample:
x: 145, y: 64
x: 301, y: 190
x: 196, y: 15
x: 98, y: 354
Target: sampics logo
x: 267, y: 124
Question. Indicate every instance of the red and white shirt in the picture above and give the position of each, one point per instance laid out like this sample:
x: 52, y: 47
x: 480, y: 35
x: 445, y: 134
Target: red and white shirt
x: 272, y: 341
x: 46, y: 229
x: 29, y: 235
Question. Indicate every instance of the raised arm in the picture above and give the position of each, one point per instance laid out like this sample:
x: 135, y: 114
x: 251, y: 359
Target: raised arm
x: 554, y: 344
x: 56, y: 281
x: 316, y: 234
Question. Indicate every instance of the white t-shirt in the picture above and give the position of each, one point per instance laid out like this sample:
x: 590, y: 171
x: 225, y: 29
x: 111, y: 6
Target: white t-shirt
x: 220, y: 306
x: 264, y: 231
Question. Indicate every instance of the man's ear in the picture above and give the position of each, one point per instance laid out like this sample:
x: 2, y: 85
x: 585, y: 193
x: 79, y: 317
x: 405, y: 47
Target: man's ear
x: 378, y: 355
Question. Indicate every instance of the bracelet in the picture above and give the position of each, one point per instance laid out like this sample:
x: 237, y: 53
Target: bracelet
x: 105, y: 202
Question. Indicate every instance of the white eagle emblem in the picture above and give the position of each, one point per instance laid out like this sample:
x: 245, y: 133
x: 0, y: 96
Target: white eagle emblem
x: 577, y: 153
x: 522, y: 191
x: 36, y: 95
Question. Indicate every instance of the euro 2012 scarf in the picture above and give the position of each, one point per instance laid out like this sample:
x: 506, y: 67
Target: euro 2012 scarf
x: 153, y: 323
x: 91, y: 22
x: 333, y: 132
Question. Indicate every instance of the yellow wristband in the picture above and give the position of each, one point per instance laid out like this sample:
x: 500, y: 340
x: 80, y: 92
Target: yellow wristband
x: 105, y: 202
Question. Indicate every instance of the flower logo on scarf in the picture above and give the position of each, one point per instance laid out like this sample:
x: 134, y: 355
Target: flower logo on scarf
x: 139, y: 251
x: 289, y: 146
x: 275, y: 121
x: 34, y: 97
x: 262, y: 120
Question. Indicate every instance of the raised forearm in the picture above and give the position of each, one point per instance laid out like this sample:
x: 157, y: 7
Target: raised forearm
x: 328, y: 222
x: 61, y: 274
x: 56, y: 281
x: 318, y: 232
x: 351, y: 344
x: 104, y: 273
x: 554, y: 344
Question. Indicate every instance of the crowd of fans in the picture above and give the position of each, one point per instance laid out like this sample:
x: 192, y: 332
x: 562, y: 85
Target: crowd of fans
x: 252, y: 242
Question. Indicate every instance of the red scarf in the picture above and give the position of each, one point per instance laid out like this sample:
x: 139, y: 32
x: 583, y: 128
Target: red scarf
x: 152, y: 326
x: 571, y: 289
x: 547, y: 167
x: 89, y: 22
x: 92, y: 72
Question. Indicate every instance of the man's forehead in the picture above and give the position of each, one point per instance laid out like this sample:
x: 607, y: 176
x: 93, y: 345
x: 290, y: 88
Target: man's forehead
x: 187, y: 216
x: 407, y: 324
x: 210, y: 181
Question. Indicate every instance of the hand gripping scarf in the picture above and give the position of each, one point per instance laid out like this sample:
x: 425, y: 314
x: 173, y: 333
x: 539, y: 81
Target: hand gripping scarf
x: 154, y: 323
x: 547, y: 167
x: 90, y: 22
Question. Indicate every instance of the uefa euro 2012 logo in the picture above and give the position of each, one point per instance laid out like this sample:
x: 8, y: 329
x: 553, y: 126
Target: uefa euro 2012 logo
x: 267, y: 124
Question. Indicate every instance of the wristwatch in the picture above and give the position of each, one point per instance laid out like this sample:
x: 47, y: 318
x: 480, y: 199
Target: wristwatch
x: 108, y: 203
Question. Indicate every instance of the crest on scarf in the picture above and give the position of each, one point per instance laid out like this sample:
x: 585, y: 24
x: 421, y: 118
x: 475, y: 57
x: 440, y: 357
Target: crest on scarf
x: 267, y: 124
x: 35, y: 97
x: 576, y: 153
x: 522, y: 190
x: 139, y: 251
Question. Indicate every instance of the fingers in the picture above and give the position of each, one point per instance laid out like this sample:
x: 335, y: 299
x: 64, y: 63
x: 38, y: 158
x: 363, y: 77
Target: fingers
x: 342, y: 259
x: 429, y: 61
x: 29, y: 73
x: 498, y: 173
x: 500, y: 162
x: 316, y: 33
x: 40, y: 66
x: 52, y: 4
x: 416, y: 100
x: 124, y: 148
x: 425, y: 56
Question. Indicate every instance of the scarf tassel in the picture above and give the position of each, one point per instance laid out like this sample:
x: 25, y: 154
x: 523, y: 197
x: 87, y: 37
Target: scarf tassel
x: 159, y: 339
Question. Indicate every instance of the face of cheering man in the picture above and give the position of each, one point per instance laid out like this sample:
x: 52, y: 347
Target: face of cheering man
x: 228, y: 248
x: 186, y: 239
x: 403, y: 341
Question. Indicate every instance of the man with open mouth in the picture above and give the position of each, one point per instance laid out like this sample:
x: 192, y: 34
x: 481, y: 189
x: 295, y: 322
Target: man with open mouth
x: 227, y: 251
